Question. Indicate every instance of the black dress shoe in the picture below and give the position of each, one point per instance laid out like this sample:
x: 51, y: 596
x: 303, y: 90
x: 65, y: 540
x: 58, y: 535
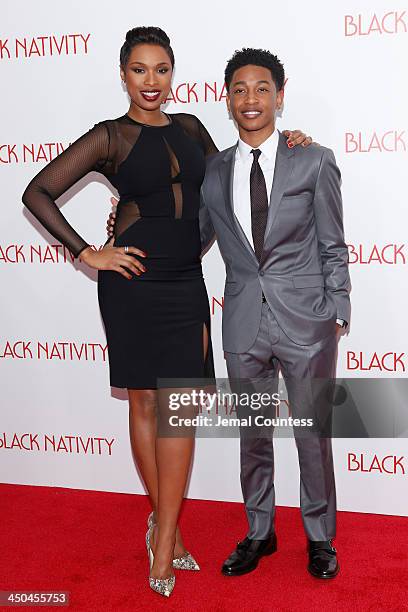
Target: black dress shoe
x: 245, y: 557
x: 323, y: 560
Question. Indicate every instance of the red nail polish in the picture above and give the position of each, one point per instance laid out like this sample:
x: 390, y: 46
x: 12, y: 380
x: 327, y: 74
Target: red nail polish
x: 290, y: 145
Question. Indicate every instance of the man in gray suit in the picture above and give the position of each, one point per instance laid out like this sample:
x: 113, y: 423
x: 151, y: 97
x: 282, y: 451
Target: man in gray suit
x: 277, y: 216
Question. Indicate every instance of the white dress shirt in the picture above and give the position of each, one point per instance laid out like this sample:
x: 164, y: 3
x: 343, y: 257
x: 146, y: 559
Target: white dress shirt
x: 242, y: 171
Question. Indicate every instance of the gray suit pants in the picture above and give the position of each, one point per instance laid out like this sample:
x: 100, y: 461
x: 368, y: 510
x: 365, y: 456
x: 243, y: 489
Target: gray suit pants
x: 273, y: 351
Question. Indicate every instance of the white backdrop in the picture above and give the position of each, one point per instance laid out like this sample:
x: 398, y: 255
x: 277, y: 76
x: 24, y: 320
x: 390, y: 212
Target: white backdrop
x: 60, y: 422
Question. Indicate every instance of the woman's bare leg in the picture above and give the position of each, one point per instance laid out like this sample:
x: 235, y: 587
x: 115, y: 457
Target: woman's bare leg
x: 143, y: 432
x: 142, y: 429
x: 173, y: 457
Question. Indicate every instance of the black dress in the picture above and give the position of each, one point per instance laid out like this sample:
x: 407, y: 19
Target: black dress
x: 153, y: 322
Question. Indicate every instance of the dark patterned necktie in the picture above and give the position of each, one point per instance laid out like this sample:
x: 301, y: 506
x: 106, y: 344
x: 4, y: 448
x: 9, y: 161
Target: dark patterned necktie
x: 259, y: 204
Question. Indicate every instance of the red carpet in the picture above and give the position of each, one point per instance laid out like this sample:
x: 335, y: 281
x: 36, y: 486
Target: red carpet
x: 92, y: 544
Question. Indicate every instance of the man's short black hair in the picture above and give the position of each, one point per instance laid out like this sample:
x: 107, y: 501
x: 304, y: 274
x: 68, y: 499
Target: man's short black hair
x: 256, y: 57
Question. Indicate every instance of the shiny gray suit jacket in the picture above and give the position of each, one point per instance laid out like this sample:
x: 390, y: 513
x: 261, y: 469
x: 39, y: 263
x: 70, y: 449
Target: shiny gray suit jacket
x: 303, y: 271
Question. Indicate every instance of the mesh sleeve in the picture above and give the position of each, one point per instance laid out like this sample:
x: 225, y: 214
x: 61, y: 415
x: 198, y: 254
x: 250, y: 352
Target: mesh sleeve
x: 206, y: 140
x: 193, y: 126
x: 90, y: 152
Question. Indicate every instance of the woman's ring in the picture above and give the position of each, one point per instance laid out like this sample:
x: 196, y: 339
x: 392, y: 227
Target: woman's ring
x: 126, y: 249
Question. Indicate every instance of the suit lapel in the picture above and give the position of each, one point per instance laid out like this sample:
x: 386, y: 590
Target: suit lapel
x: 226, y: 171
x: 283, y: 170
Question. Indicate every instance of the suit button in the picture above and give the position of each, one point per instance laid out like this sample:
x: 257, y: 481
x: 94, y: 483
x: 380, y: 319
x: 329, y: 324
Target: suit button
x: 261, y: 273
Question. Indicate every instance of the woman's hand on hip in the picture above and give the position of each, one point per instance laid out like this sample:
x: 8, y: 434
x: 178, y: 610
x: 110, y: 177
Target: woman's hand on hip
x: 115, y: 259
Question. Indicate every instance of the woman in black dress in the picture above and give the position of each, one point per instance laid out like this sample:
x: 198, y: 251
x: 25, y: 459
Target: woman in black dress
x: 150, y: 285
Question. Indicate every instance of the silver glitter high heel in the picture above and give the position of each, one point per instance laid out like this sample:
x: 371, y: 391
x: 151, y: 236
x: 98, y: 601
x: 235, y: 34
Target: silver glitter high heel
x: 150, y: 520
x: 186, y: 561
x: 163, y: 586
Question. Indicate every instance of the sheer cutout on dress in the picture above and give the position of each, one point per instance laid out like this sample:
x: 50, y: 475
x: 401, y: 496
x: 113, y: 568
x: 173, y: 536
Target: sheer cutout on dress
x: 128, y: 214
x: 176, y: 181
x: 174, y: 165
x: 178, y: 200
